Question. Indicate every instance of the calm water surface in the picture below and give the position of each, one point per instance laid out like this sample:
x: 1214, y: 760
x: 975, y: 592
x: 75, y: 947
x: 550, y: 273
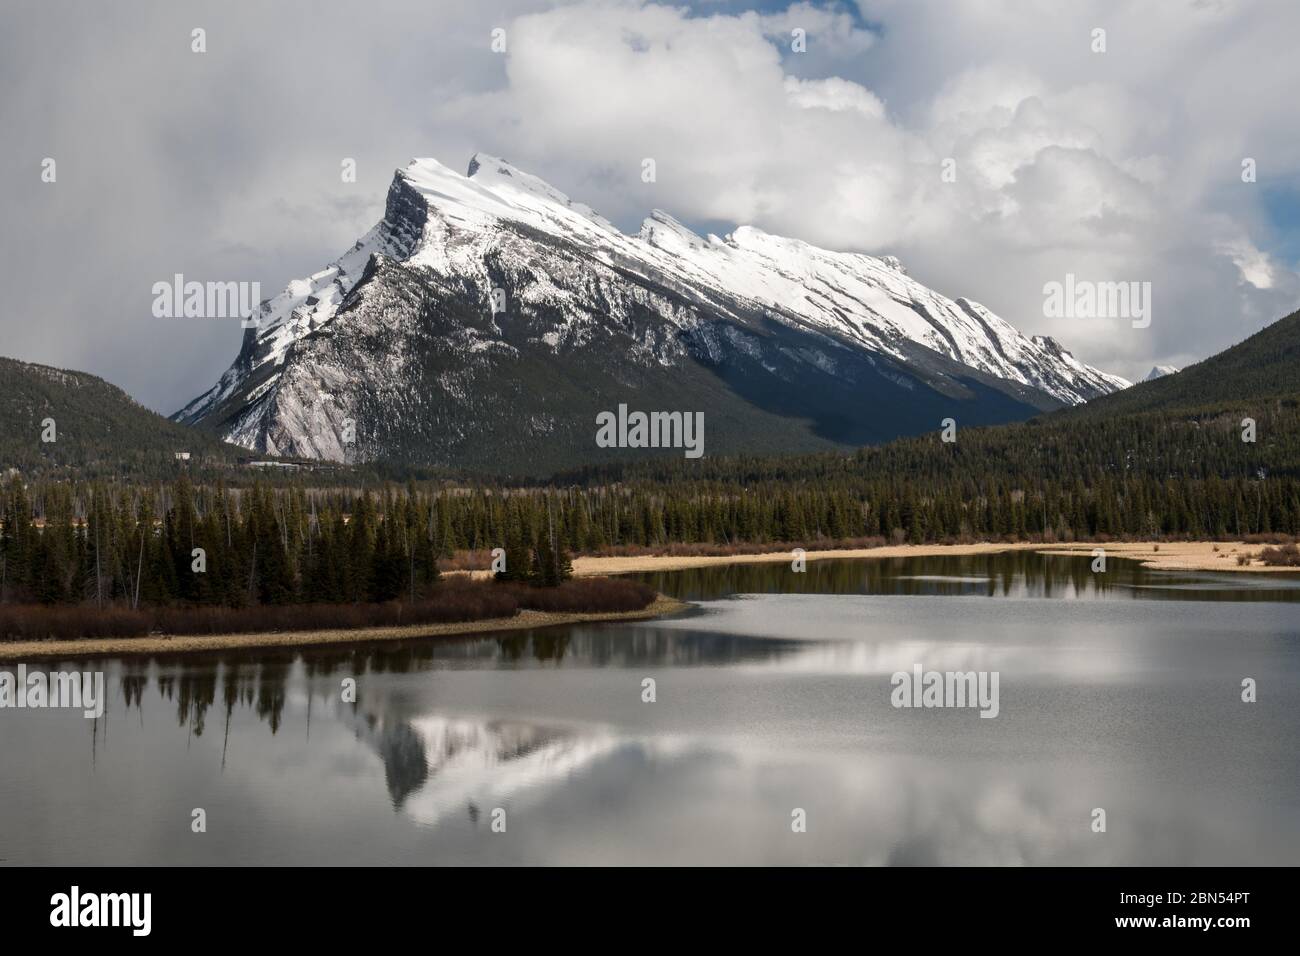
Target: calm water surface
x: 1119, y: 691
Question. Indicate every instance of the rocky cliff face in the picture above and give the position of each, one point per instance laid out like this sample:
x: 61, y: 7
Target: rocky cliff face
x: 488, y: 318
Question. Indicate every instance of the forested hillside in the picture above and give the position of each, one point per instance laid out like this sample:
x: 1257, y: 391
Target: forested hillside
x: 97, y: 429
x: 1182, y: 426
x: 1263, y: 367
x: 1168, y: 457
x: 1171, y: 459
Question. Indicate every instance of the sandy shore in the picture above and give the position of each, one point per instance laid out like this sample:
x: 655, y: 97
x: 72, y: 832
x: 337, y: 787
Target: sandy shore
x: 1179, y: 556
x: 92, y: 647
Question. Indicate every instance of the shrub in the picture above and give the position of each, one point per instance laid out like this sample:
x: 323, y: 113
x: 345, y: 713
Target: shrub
x: 1287, y: 556
x: 452, y: 600
x: 594, y: 595
x: 38, y: 622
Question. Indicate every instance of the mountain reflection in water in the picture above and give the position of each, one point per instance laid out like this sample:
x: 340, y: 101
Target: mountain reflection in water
x: 774, y: 694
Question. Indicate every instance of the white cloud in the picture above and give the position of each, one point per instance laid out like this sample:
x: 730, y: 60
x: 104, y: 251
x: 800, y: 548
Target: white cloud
x: 1105, y: 165
x: 1123, y: 165
x: 1256, y: 267
x: 833, y: 94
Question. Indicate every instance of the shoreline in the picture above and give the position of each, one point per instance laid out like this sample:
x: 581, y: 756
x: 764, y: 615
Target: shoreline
x: 1163, y: 556
x: 1157, y: 555
x: 192, y: 643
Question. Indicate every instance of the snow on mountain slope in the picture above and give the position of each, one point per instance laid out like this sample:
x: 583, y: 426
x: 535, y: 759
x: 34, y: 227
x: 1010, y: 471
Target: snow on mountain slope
x: 500, y: 227
x: 1159, y: 371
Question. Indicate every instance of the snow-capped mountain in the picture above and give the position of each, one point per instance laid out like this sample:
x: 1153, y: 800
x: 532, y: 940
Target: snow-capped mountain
x: 785, y: 346
x: 1159, y: 371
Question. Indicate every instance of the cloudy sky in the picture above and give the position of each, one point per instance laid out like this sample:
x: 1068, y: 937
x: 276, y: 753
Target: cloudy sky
x: 1122, y: 165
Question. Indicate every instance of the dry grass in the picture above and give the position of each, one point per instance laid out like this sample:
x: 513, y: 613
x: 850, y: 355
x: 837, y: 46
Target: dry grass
x: 1172, y: 555
x: 482, y: 560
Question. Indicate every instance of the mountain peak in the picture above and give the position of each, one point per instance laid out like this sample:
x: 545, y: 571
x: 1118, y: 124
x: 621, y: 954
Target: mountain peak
x: 498, y: 174
x: 663, y: 306
x: 498, y: 189
x: 494, y: 165
x: 1049, y: 343
x: 1159, y: 371
x: 425, y: 168
x: 664, y: 232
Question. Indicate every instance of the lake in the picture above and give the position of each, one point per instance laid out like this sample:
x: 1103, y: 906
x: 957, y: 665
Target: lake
x: 773, y: 713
